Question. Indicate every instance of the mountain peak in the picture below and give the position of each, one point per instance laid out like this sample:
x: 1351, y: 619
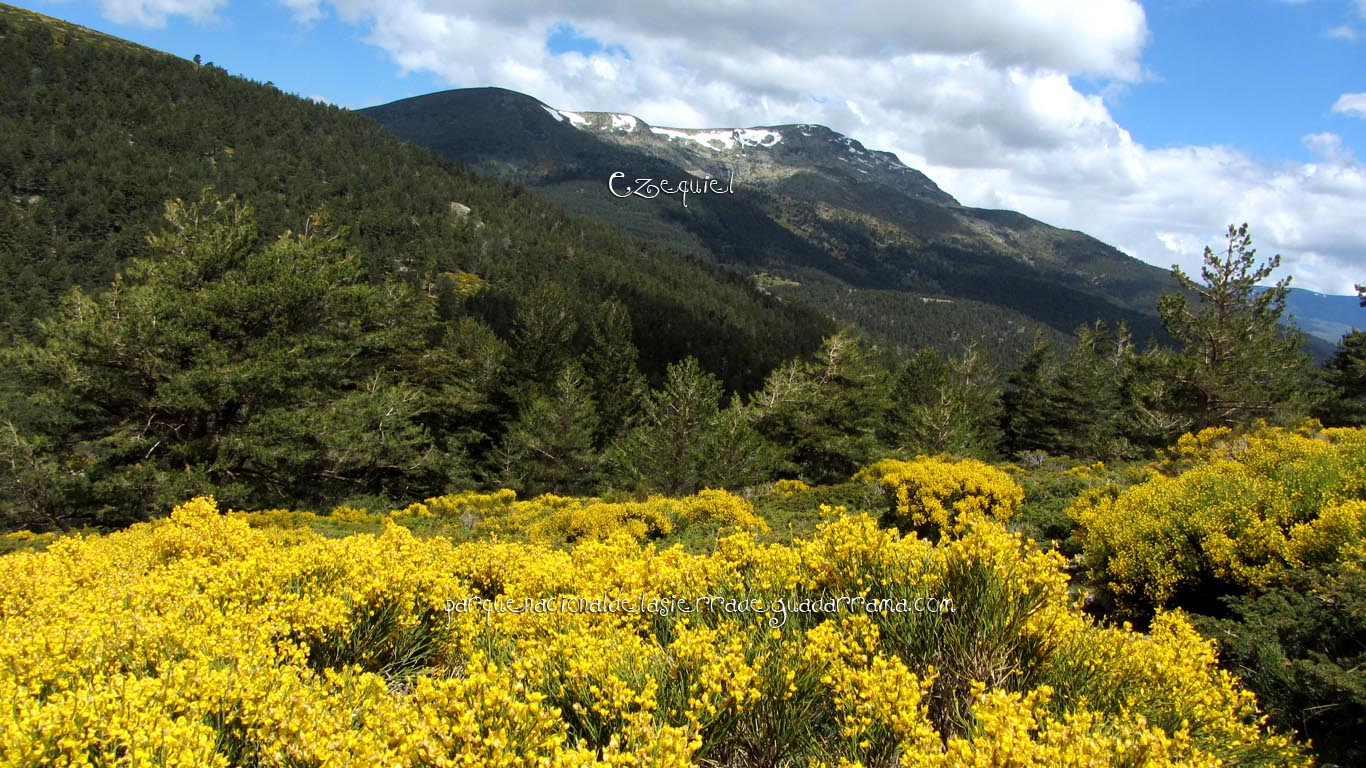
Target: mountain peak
x: 759, y: 153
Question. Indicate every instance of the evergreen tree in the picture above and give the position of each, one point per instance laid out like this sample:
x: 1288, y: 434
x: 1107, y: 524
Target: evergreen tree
x: 465, y: 374
x: 1093, y: 394
x: 1346, y: 374
x: 1235, y: 364
x: 543, y: 335
x: 947, y: 406
x: 610, y: 362
x: 736, y: 453
x: 550, y: 446
x: 255, y: 372
x: 683, y: 440
x: 825, y: 412
x: 1030, y: 412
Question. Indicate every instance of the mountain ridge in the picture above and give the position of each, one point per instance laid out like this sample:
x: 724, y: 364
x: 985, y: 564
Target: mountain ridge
x: 819, y: 211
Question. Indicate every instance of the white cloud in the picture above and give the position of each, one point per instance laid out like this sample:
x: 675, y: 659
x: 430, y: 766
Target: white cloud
x: 979, y: 94
x: 1351, y: 104
x: 305, y: 11
x: 153, y: 13
x: 1342, y: 32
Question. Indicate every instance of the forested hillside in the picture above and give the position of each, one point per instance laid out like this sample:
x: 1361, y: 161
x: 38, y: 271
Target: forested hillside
x: 275, y: 301
x: 875, y: 242
x: 101, y: 133
x: 488, y: 291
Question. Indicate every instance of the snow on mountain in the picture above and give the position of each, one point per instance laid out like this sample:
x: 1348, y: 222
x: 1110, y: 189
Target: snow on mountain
x: 624, y: 123
x: 724, y: 139
x: 576, y: 119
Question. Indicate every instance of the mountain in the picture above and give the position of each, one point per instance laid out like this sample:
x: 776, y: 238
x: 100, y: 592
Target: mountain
x: 806, y: 212
x: 100, y: 133
x: 209, y: 286
x: 1325, y: 316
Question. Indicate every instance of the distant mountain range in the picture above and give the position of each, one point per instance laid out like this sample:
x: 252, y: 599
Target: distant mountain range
x: 810, y: 213
x: 1325, y: 316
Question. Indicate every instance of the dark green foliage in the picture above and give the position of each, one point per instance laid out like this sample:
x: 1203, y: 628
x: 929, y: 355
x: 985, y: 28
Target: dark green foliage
x: 543, y: 336
x: 684, y: 440
x: 1029, y: 403
x: 1236, y: 364
x: 464, y: 375
x: 1095, y: 394
x: 100, y: 133
x: 1345, y: 405
x: 253, y: 371
x: 1043, y: 514
x: 301, y: 369
x: 550, y: 446
x: 948, y: 405
x: 825, y: 412
x: 1301, y: 647
x: 610, y: 363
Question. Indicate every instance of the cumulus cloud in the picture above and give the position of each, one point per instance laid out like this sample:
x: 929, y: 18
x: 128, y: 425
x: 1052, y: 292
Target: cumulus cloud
x: 153, y: 13
x: 980, y: 94
x: 1351, y: 104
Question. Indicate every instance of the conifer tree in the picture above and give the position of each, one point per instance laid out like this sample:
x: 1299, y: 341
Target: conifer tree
x: 684, y: 441
x: 260, y: 373
x: 550, y: 446
x: 1093, y: 393
x: 1346, y: 378
x: 611, y: 365
x: 947, y: 405
x: 543, y: 335
x: 1235, y: 363
x: 825, y: 412
x: 1030, y: 420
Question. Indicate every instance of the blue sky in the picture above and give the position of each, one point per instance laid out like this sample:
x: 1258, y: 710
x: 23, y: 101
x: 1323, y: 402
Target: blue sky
x: 1255, y: 74
x: 1151, y: 126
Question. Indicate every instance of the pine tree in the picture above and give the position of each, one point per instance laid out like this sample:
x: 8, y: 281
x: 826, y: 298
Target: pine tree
x: 947, y: 406
x: 1093, y: 394
x: 825, y: 412
x: 1235, y: 363
x: 611, y: 365
x: 684, y: 441
x: 260, y: 373
x: 1029, y: 403
x: 550, y: 446
x: 1346, y: 378
x: 543, y: 335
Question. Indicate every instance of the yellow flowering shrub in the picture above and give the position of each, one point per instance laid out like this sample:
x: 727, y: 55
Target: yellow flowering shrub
x: 552, y: 519
x: 24, y: 540
x: 1335, y: 535
x: 933, y: 494
x: 721, y: 508
x: 203, y: 640
x: 787, y: 488
x: 1241, y: 508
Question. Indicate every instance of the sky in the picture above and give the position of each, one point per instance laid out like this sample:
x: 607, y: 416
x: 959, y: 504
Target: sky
x: 1152, y: 126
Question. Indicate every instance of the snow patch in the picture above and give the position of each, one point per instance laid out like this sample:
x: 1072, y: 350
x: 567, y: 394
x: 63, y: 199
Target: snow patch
x: 559, y: 118
x: 624, y: 123
x: 724, y: 139
x: 574, y: 118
